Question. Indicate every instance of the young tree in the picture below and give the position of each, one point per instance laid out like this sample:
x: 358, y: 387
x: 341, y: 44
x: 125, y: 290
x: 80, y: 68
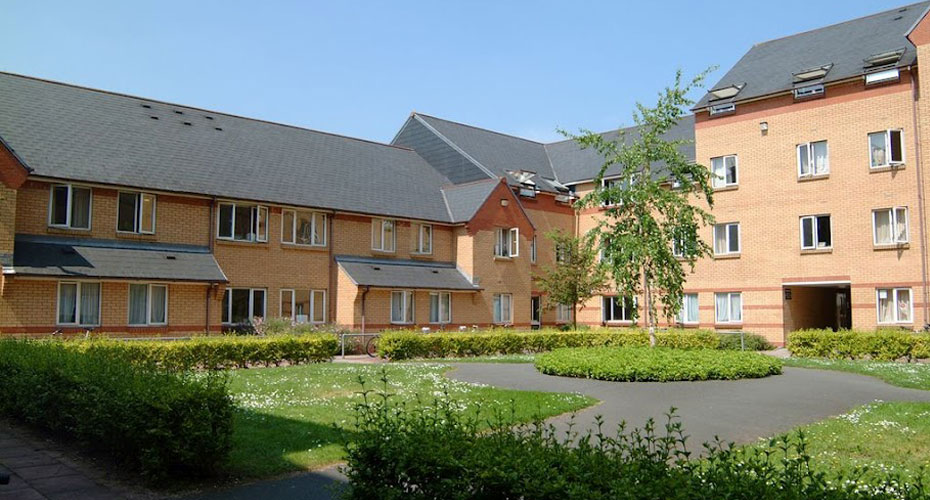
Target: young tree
x: 651, y: 216
x: 576, y: 275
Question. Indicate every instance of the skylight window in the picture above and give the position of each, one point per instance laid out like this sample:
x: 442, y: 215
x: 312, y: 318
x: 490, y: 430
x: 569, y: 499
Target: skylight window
x: 884, y: 58
x: 524, y: 177
x: 727, y: 92
x: 810, y: 74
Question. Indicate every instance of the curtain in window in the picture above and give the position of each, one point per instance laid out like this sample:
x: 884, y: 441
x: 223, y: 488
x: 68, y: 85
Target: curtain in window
x: 877, y: 147
x: 138, y: 298
x: 736, y: 307
x: 904, y: 305
x: 302, y: 306
x: 319, y: 229
x: 90, y: 303
x: 885, y: 310
x: 901, y: 224
x: 883, y: 227
x: 720, y: 239
x: 689, y: 309
x: 807, y: 232
x: 80, y: 207
x: 304, y: 228
x: 804, y: 167
x: 497, y: 309
x: 733, y: 233
x: 434, y: 308
x: 159, y: 299
x: 319, y: 306
x: 722, y: 308
x: 506, y: 315
x: 730, y: 162
x: 397, y: 307
x: 408, y: 311
x: 720, y: 174
x: 147, y: 211
x: 445, y: 307
x: 821, y: 161
x: 388, y: 235
x: 67, y: 300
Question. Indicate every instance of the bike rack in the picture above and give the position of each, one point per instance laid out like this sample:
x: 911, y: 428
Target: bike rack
x: 342, y: 339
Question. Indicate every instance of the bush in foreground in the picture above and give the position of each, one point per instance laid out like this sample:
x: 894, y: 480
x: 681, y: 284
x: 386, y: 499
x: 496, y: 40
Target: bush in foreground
x: 753, y: 342
x: 158, y: 422
x: 408, y: 345
x: 882, y: 345
x: 435, y: 451
x: 643, y: 364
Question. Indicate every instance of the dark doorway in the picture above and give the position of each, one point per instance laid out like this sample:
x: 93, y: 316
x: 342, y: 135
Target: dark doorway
x: 535, y: 305
x: 817, y: 306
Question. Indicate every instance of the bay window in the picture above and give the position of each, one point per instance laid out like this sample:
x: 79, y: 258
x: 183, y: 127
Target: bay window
x: 240, y: 222
x: 69, y: 207
x: 300, y: 227
x: 889, y: 226
x: 440, y: 307
x: 240, y: 305
x: 135, y: 213
x: 79, y: 303
x: 402, y: 307
x: 894, y: 305
x: 148, y: 304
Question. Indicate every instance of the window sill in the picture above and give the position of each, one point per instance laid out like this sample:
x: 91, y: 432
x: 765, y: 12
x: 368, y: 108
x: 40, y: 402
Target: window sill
x: 810, y: 178
x: 504, y: 259
x: 127, y: 235
x: 891, y: 246
x: 224, y: 241
x: 421, y: 255
x: 726, y: 188
x: 886, y: 168
x: 726, y: 256
x: 901, y: 324
x: 688, y: 325
x: 66, y: 230
x: 813, y: 251
x: 149, y: 325
x: 298, y: 246
x: 401, y: 324
x: 375, y: 250
x: 619, y: 322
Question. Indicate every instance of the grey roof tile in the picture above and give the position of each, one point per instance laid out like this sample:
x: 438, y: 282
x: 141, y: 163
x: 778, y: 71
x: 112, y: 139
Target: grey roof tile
x: 464, y: 200
x: 398, y: 273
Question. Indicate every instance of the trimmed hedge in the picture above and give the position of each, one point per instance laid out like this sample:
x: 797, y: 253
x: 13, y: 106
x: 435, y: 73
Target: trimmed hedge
x: 407, y: 345
x: 215, y: 353
x: 641, y: 364
x: 754, y: 342
x: 159, y: 422
x: 884, y: 345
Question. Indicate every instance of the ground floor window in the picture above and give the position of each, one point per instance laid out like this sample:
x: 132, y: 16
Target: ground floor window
x: 618, y: 308
x: 240, y: 305
x: 148, y: 304
x: 503, y: 308
x: 79, y: 303
x: 894, y: 305
x: 536, y: 313
x: 402, y: 307
x: 563, y: 313
x: 304, y: 306
x: 440, y: 307
x: 729, y: 307
x: 688, y: 314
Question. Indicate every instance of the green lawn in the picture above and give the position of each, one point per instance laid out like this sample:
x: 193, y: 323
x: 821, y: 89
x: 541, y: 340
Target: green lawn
x: 495, y: 358
x: 912, y: 375
x: 295, y: 418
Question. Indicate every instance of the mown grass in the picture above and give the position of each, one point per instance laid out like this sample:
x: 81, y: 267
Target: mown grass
x: 911, y: 375
x: 494, y: 358
x: 296, y: 418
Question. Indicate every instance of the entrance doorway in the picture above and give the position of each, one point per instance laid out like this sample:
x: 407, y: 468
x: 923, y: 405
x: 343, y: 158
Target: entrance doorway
x: 817, y: 305
x: 536, y: 306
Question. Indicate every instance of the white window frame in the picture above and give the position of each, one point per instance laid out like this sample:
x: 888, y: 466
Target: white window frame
x: 682, y: 320
x: 500, y: 302
x: 404, y: 312
x: 137, y: 216
x: 718, y: 183
x: 148, y: 305
x: 67, y: 224
x: 315, y: 224
x: 258, y: 213
x: 533, y: 250
x: 815, y: 227
x: 894, y: 305
x: 810, y: 159
x: 77, y: 303
x: 739, y: 238
x: 424, y: 241
x: 608, y: 183
x: 228, y: 304
x: 607, y: 317
x: 312, y: 312
x: 378, y: 225
x: 894, y: 226
x: 729, y: 320
x: 563, y: 313
x: 507, y: 242
x: 888, y: 161
x: 439, y: 298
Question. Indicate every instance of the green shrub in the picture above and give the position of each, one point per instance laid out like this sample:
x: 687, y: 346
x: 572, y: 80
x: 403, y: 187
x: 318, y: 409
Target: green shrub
x: 644, y: 364
x: 407, y: 345
x: 214, y: 353
x: 159, y: 422
x: 287, y: 326
x: 753, y: 342
x: 883, y: 345
x: 436, y: 451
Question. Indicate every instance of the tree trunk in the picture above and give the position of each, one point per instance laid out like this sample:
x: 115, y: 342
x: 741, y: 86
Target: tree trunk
x: 574, y: 316
x: 647, y: 310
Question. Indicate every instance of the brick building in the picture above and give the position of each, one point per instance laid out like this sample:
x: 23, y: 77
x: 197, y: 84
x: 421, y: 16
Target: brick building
x: 133, y: 216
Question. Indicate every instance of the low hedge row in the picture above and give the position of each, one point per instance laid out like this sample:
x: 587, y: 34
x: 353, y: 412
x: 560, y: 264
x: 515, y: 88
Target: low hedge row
x: 885, y: 345
x: 215, y: 353
x: 641, y: 364
x: 162, y: 423
x: 408, y: 345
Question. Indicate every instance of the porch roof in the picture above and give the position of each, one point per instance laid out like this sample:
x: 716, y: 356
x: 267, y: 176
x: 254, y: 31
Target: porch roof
x: 402, y: 273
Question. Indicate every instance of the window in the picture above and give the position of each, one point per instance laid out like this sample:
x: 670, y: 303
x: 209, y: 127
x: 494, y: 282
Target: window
x: 533, y: 250
x: 617, y: 308
x: 382, y: 235
x: 886, y: 148
x: 242, y: 222
x: 612, y: 198
x: 889, y: 226
x: 240, y: 305
x: 148, y: 304
x: 729, y: 307
x: 724, y: 171
x: 813, y: 159
x: 507, y: 243
x: 440, y: 307
x: 894, y: 305
x: 888, y: 75
x: 135, y: 213
x: 424, y: 235
x: 503, y: 308
x: 726, y: 238
x: 688, y: 314
x: 563, y: 313
x: 304, y: 306
x: 402, y: 307
x: 78, y: 303
x: 303, y: 228
x: 69, y: 207
x: 816, y: 232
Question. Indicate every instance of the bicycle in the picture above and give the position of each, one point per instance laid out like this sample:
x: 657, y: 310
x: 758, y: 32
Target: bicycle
x: 371, y: 346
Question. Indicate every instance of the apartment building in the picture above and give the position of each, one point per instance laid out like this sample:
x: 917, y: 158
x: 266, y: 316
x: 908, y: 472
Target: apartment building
x: 132, y: 216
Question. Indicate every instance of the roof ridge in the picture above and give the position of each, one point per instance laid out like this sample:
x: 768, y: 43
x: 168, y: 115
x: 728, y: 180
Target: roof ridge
x: 168, y: 103
x: 452, y: 185
x: 598, y: 133
x: 860, y: 18
x: 480, y: 128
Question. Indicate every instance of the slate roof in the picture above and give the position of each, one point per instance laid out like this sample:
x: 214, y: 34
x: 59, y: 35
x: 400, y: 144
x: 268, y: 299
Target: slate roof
x: 464, y: 200
x: 69, y: 132
x: 399, y: 273
x: 47, y: 256
x: 768, y: 67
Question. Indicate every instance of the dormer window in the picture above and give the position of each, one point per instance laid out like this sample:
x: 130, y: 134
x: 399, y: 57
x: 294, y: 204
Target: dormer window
x: 722, y: 108
x: 811, y: 74
x: 809, y: 91
x: 883, y: 58
x: 727, y: 92
x: 888, y: 75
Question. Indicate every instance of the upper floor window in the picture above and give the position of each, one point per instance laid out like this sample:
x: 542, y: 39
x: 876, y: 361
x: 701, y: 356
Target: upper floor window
x: 886, y: 148
x: 816, y: 232
x: 726, y: 238
x: 240, y: 305
x: 612, y: 198
x: 894, y: 305
x: 618, y: 308
x: 813, y: 159
x: 148, y: 304
x: 533, y: 250
x: 402, y: 307
x: 69, y: 207
x: 79, y: 303
x: 507, y: 243
x: 724, y: 170
x: 135, y: 213
x: 304, y: 306
x: 303, y: 228
x: 889, y: 226
x: 242, y: 222
x: 424, y: 236
x: 382, y: 235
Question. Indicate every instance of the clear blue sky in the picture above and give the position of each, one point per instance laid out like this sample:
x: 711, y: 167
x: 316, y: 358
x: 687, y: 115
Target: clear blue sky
x: 359, y: 68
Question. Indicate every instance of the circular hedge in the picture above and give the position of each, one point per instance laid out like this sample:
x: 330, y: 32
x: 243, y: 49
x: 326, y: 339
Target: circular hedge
x: 644, y: 364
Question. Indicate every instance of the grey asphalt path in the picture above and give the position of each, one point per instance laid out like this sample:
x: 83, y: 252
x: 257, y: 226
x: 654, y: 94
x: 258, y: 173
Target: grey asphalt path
x: 323, y: 484
x: 740, y: 411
